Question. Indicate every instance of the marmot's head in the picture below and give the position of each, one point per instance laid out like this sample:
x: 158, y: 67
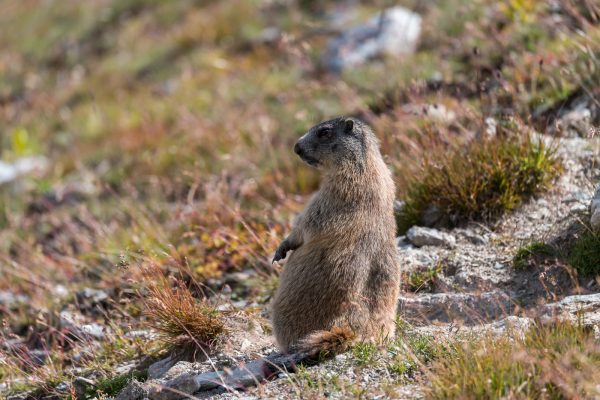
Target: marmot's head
x: 338, y: 142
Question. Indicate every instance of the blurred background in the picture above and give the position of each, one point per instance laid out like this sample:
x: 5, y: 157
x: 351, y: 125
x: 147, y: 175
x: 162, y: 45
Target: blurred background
x: 142, y: 134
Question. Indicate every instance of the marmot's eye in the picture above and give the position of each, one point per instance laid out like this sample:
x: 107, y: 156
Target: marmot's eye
x: 321, y: 133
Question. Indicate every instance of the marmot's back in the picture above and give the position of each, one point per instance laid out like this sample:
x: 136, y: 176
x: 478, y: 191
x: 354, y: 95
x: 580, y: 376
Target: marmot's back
x: 343, y: 273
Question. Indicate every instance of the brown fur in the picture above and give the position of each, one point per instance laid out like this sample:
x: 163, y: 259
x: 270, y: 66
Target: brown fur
x: 342, y: 279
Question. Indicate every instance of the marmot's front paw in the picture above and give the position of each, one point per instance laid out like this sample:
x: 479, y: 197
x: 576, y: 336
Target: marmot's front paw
x: 280, y: 253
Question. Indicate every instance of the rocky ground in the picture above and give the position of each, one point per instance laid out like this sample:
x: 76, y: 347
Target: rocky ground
x: 469, y: 284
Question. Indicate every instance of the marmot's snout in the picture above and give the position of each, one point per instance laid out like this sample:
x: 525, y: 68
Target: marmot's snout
x: 304, y: 155
x: 297, y: 149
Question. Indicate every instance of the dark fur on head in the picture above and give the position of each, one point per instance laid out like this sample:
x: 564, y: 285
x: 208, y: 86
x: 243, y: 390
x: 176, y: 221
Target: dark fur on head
x: 338, y: 143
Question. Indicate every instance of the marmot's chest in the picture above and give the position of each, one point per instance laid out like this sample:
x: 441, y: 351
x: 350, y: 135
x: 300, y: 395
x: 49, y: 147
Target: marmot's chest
x: 324, y: 220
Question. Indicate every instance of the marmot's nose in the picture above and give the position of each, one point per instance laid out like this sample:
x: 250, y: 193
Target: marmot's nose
x: 297, y: 149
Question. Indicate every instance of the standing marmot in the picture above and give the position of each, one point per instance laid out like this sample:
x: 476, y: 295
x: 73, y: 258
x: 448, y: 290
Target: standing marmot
x: 342, y: 280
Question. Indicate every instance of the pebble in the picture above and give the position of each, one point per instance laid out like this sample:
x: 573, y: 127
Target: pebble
x: 420, y: 236
x: 578, y: 208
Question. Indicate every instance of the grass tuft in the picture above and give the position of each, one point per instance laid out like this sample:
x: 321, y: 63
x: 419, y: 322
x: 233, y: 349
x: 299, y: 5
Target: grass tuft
x: 585, y: 254
x: 480, y: 181
x: 364, y: 353
x: 112, y: 386
x: 185, y: 325
x: 534, y: 249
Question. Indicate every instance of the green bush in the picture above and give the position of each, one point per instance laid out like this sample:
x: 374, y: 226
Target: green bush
x: 480, y: 181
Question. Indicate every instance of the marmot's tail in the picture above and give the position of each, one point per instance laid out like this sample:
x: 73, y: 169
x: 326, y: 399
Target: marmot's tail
x: 323, y: 344
x: 311, y: 350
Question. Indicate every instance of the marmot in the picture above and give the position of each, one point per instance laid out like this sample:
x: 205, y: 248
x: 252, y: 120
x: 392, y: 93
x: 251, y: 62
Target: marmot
x: 341, y: 282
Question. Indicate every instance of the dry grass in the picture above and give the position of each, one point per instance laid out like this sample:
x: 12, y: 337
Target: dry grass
x: 553, y: 361
x: 187, y: 326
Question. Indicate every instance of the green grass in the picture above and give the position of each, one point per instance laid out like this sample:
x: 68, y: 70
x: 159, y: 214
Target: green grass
x: 411, y: 352
x: 534, y: 249
x: 112, y: 386
x: 585, y: 254
x: 480, y: 181
x: 365, y: 353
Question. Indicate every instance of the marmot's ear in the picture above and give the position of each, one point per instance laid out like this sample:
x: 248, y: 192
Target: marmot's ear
x: 348, y: 126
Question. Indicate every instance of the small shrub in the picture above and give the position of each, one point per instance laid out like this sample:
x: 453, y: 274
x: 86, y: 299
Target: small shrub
x: 185, y: 324
x: 480, y: 181
x: 585, y: 254
x: 556, y: 361
x: 423, y: 280
x: 534, y: 249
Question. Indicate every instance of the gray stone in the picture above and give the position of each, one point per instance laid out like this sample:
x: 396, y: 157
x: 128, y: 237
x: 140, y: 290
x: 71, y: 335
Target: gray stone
x: 577, y: 122
x: 399, y: 206
x: 63, y: 387
x: 94, y: 295
x: 583, y: 309
x: 420, y: 236
x: 75, y: 323
x: 393, y: 32
x: 473, y: 237
x: 133, y: 391
x: 10, y: 300
x: 81, y: 384
x: 93, y: 330
x: 38, y: 357
x: 470, y: 308
x: 595, y: 210
x: 160, y: 368
x: 578, y: 208
x: 511, y: 324
x: 435, y: 112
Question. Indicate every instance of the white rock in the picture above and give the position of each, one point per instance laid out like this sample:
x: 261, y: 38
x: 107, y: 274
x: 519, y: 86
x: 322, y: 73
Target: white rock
x: 421, y: 236
x: 499, y: 266
x: 578, y: 208
x: 61, y: 291
x: 23, y: 166
x: 490, y: 127
x: 394, y: 32
x: 435, y: 112
x: 93, y: 330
